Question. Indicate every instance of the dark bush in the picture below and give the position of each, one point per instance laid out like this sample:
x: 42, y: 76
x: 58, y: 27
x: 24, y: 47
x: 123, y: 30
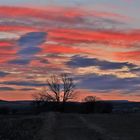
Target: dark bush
x: 103, y: 107
x: 75, y: 107
x: 4, y: 110
x: 89, y: 107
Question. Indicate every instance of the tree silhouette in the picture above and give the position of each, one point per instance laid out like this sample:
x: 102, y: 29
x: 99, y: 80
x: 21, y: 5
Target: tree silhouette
x: 90, y: 103
x: 60, y: 89
x: 90, y: 99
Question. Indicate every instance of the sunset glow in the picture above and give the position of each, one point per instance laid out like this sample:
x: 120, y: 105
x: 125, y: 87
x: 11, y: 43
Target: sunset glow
x: 97, y: 44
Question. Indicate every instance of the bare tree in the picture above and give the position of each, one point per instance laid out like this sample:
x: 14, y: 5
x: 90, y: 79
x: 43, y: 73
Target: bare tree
x: 68, y: 87
x: 91, y: 99
x: 60, y: 89
x: 90, y: 104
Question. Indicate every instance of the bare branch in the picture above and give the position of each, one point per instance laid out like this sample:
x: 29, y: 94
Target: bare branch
x: 61, y: 88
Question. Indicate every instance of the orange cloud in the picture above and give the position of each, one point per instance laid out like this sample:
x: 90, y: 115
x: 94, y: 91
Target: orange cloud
x: 60, y: 49
x: 7, y: 48
x: 70, y: 14
x: 79, y: 36
x: 5, y: 44
x: 17, y: 28
x: 16, y: 95
x: 130, y: 55
x: 116, y: 95
x: 6, y: 58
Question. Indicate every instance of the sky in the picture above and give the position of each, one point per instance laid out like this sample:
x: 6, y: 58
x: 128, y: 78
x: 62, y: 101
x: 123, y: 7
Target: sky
x: 96, y: 41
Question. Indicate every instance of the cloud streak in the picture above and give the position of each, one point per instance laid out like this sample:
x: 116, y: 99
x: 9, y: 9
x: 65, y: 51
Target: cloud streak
x: 79, y: 61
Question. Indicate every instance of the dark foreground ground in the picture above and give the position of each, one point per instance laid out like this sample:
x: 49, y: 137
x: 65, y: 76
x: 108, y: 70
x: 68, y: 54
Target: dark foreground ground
x: 57, y: 126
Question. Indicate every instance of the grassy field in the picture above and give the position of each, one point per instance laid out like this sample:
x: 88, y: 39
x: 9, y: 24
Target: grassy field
x: 118, y: 126
x: 58, y: 126
x: 20, y: 127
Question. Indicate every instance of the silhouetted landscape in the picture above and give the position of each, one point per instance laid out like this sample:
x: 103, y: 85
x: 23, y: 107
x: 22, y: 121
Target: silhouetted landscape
x: 22, y: 120
x: 52, y: 115
x: 69, y: 70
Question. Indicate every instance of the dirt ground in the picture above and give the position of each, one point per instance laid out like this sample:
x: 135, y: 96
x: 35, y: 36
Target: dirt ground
x: 92, y: 127
x: 59, y: 126
x: 118, y: 126
x: 67, y: 127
